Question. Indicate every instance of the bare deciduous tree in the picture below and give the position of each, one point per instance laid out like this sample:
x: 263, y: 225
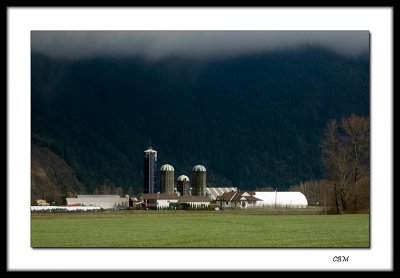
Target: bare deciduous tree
x: 356, y: 144
x: 345, y: 156
x: 329, y: 147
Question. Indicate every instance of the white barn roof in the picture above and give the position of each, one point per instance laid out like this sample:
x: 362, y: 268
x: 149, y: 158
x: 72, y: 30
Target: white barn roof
x: 293, y: 199
x: 218, y: 191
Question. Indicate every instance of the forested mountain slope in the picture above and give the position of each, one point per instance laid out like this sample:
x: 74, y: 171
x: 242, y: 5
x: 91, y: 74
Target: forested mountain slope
x: 253, y: 121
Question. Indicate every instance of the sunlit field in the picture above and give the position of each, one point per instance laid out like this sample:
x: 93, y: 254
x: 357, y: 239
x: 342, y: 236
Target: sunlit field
x: 197, y: 229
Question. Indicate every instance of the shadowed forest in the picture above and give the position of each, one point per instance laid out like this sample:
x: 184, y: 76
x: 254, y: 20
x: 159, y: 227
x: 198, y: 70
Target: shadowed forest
x: 289, y: 120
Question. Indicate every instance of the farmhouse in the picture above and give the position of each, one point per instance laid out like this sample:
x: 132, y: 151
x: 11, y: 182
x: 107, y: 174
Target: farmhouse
x: 237, y: 199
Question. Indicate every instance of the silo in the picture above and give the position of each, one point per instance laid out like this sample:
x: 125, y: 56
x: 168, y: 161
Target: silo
x: 199, y: 180
x: 167, y: 179
x: 150, y: 171
x: 183, y: 185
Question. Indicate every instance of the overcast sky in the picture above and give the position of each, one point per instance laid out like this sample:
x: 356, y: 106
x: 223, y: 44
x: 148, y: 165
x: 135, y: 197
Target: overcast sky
x: 197, y: 44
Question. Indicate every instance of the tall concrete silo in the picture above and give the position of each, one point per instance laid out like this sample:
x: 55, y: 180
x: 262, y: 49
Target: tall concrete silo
x: 183, y: 185
x: 199, y: 180
x: 167, y: 179
x: 150, y: 171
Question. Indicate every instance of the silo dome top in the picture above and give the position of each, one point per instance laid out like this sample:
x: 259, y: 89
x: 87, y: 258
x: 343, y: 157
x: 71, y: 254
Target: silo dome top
x: 150, y: 150
x: 199, y: 168
x: 167, y: 167
x: 183, y: 178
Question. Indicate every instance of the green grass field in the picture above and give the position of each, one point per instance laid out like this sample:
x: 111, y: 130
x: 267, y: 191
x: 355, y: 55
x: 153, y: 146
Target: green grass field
x: 197, y: 229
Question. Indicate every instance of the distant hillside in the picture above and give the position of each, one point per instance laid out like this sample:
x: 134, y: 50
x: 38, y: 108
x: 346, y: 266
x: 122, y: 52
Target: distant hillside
x: 52, y: 179
x: 253, y: 121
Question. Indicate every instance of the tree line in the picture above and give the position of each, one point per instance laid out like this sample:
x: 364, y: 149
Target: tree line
x: 346, y: 168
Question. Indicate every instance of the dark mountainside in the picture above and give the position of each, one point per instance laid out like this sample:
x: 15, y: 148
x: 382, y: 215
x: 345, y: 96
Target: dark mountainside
x: 253, y: 121
x: 52, y: 177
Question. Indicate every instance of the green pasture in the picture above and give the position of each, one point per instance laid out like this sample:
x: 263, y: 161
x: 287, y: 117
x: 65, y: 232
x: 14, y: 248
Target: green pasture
x: 197, y: 229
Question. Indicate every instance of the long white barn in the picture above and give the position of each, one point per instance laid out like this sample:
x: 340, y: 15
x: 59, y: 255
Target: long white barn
x: 281, y: 199
x: 103, y: 201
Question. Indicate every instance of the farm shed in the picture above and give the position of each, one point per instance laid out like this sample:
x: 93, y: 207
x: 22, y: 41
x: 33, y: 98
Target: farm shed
x: 281, y: 199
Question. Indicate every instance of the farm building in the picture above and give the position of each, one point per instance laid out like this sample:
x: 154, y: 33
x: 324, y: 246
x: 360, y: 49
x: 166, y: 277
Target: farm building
x: 159, y: 201
x: 281, y: 199
x: 162, y: 201
x: 41, y: 202
x: 214, y: 192
x: 236, y: 199
x: 103, y: 201
x: 195, y: 201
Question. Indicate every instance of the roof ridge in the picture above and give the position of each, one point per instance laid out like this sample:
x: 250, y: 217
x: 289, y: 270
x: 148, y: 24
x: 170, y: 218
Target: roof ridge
x: 233, y: 195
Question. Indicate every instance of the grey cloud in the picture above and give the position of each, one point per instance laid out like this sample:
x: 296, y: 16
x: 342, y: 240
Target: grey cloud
x: 199, y: 44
